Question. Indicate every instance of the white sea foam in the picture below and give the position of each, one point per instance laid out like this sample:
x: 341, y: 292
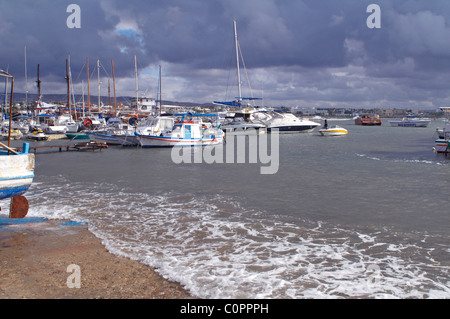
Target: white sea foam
x: 218, y: 249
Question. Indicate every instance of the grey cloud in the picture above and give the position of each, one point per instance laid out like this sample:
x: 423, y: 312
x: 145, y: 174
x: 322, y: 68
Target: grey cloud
x: 296, y: 51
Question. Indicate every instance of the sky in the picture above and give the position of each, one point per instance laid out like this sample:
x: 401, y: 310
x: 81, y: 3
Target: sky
x: 297, y: 53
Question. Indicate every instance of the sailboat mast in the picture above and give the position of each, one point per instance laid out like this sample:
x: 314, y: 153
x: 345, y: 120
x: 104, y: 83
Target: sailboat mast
x: 39, y: 86
x: 6, y: 94
x: 237, y: 61
x: 160, y: 92
x: 89, y: 92
x: 26, y: 80
x: 109, y: 93
x: 137, y: 87
x: 4, y: 106
x: 114, y: 88
x: 82, y: 93
x: 10, y: 112
x: 98, y: 80
x: 68, y: 84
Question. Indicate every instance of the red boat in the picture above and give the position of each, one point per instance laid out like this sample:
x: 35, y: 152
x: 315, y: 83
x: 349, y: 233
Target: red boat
x: 368, y: 120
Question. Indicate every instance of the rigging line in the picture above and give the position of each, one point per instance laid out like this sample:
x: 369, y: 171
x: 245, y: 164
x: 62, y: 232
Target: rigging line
x: 82, y: 68
x: 245, y: 69
x: 107, y: 74
x: 230, y: 68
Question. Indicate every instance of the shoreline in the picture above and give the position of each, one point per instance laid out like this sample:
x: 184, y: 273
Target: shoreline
x: 37, y: 258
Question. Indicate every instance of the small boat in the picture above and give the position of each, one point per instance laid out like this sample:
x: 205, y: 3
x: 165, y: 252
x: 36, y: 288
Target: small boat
x: 410, y: 121
x: 443, y: 141
x: 442, y: 145
x: 37, y: 135
x: 77, y: 136
x: 54, y: 124
x: 335, y: 130
x: 16, y: 177
x: 368, y: 120
x: 16, y: 171
x: 115, y: 133
x: 184, y: 133
x: 15, y: 134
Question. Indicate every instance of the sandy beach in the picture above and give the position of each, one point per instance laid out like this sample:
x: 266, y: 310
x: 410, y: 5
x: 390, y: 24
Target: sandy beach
x: 43, y: 259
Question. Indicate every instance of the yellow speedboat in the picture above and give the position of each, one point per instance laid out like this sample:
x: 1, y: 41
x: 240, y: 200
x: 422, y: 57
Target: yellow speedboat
x: 335, y: 130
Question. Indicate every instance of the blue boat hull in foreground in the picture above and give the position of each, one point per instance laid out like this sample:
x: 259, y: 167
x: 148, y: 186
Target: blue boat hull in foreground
x: 16, y: 172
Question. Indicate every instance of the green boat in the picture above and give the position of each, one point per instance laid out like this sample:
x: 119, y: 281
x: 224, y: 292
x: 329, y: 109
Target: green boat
x: 77, y: 136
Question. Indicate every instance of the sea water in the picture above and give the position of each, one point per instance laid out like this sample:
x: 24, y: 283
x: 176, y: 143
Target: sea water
x: 359, y: 216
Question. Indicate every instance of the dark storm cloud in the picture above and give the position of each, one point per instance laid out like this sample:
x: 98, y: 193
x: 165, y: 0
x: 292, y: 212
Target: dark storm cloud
x: 296, y: 51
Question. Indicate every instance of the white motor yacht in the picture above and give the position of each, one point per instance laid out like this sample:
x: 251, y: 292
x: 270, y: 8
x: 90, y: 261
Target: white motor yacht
x: 286, y: 122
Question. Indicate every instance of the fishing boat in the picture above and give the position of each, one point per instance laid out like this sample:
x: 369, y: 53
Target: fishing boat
x: 16, y: 170
x: 368, y: 120
x: 54, y: 124
x: 184, y: 133
x: 410, y: 121
x: 154, y: 125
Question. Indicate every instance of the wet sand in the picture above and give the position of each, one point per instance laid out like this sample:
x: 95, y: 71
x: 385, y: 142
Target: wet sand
x: 35, y: 259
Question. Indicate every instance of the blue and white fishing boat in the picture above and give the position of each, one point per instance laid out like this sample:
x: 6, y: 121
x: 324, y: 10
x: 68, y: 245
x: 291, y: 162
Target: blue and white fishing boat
x: 184, y: 133
x: 16, y: 171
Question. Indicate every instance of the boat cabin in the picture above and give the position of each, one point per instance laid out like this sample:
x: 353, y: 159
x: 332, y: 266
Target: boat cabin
x: 187, y: 130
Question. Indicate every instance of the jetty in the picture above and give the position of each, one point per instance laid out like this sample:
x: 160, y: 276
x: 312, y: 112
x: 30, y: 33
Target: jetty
x: 83, y: 146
